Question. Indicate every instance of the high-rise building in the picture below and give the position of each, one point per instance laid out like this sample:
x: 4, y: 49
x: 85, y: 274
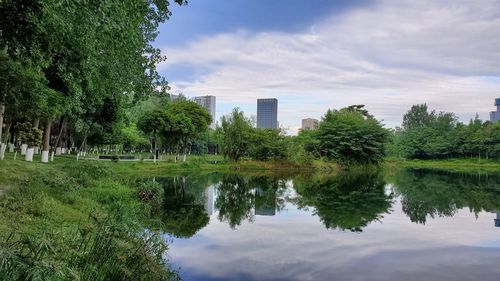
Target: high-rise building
x: 309, y: 124
x: 267, y: 113
x: 208, y: 102
x: 495, y: 115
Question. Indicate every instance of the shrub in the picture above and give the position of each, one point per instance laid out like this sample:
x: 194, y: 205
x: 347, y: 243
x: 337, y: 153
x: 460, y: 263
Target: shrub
x: 151, y: 193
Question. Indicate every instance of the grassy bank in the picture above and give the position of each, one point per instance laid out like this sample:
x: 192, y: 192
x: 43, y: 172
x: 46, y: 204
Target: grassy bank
x: 73, y: 220
x: 456, y: 165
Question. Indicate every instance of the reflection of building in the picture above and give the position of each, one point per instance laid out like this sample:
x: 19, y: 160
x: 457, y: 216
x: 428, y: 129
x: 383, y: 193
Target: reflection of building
x: 210, y: 194
x: 309, y: 124
x: 267, y: 113
x: 208, y: 102
x: 265, y: 211
x: 495, y: 115
x: 265, y: 202
x: 497, y: 220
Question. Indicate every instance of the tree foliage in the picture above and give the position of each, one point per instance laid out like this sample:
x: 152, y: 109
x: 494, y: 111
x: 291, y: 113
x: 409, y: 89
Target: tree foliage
x: 351, y: 136
x: 431, y: 135
x: 236, y: 131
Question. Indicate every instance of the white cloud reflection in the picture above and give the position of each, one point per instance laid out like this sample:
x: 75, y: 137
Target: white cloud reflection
x: 296, y: 246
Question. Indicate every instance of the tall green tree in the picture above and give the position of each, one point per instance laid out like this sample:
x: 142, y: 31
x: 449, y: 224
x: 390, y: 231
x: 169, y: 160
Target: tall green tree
x: 235, y: 130
x: 351, y: 136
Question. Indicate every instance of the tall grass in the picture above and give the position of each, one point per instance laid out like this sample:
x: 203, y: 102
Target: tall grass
x: 74, y: 221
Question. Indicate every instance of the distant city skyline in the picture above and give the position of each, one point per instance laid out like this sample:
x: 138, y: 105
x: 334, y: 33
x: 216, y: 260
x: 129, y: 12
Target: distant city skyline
x: 313, y: 56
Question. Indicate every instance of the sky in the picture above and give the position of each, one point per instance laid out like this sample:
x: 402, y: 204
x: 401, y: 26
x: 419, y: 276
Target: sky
x: 323, y: 54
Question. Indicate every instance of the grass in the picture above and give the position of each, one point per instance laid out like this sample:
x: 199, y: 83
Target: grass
x: 456, y: 165
x: 71, y: 220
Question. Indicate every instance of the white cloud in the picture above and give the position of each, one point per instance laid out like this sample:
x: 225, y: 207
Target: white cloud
x: 387, y: 56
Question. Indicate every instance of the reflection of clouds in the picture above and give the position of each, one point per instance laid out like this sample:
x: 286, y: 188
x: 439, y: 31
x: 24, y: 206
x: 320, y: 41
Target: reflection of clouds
x: 294, y: 245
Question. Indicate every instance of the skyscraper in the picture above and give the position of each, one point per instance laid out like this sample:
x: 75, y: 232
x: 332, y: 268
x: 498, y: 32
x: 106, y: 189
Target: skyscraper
x: 208, y: 102
x: 309, y: 124
x: 267, y: 113
x: 495, y: 115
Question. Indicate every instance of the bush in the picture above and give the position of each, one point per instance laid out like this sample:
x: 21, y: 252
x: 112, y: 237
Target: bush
x: 151, y: 193
x: 351, y: 136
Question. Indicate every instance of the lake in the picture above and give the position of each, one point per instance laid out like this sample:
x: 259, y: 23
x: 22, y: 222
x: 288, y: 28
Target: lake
x: 406, y: 225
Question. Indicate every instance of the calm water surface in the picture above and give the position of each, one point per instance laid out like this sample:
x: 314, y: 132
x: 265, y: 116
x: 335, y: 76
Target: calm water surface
x: 411, y: 225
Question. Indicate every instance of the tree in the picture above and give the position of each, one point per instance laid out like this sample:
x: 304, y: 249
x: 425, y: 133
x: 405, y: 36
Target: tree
x: 89, y: 51
x: 267, y: 144
x: 235, y: 131
x: 189, y: 120
x: 427, y: 135
x: 304, y: 147
x: 351, y: 136
x: 153, y: 122
x: 418, y: 117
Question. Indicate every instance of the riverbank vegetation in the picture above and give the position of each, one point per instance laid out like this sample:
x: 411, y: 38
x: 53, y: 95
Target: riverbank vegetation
x: 438, y: 135
x: 75, y: 221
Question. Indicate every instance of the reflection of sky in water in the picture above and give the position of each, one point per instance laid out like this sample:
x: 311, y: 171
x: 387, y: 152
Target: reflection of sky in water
x: 293, y: 244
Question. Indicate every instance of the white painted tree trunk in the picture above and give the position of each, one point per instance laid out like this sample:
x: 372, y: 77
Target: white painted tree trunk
x: 184, y: 158
x: 58, y: 150
x: 3, y: 147
x: 37, y: 150
x: 45, y: 156
x: 24, y: 147
x: 46, y: 142
x: 2, y: 112
x: 29, y: 154
x: 11, y: 147
x: 52, y: 156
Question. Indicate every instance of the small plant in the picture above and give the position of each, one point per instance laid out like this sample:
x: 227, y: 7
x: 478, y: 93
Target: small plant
x: 151, y: 193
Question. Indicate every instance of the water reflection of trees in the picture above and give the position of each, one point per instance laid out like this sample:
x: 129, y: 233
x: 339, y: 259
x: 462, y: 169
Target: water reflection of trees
x: 183, y: 205
x: 349, y: 201
x: 436, y: 193
x: 239, y: 198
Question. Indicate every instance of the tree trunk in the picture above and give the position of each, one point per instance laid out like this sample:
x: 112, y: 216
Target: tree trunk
x: 185, y: 150
x: 3, y: 146
x: 2, y: 112
x: 46, y: 141
x: 82, y: 147
x: 63, y: 123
